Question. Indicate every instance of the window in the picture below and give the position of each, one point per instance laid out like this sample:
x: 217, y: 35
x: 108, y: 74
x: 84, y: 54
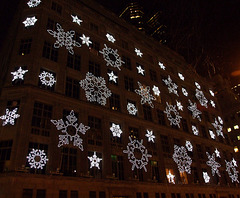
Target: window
x: 69, y: 161
x: 74, y: 61
x: 5, y: 153
x: 95, y: 132
x: 128, y: 82
x: 94, y: 171
x: 133, y: 133
x: 41, y: 193
x: 115, y: 102
x: 145, y: 195
x: 155, y: 171
x: 92, y: 194
x: 147, y: 111
x: 48, y: 78
x: 72, y: 88
x: 138, y: 195
x: 27, y: 193
x: 153, y: 75
x: 157, y: 195
x: 102, y: 194
x: 206, y: 115
x: 127, y: 62
x: 138, y: 173
x: 185, y: 125
x: 117, y: 167
x: 42, y: 114
x: 94, y: 45
x: 50, y: 52
x: 165, y: 146
x: 204, y: 132
x: 200, y: 152
x: 94, y: 68
x: 124, y: 45
x: 62, y: 193
x: 161, y: 117
x: 74, y: 194
x: 77, y: 37
x: 51, y: 24
x: 183, y: 177
x: 56, y: 7
x: 25, y: 47
x: 94, y: 27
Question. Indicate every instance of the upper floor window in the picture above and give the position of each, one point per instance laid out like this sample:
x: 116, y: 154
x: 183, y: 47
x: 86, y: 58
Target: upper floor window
x: 129, y: 84
x: 127, y: 62
x: 25, y: 47
x: 153, y: 75
x: 50, y: 52
x: 74, y: 61
x: 94, y: 68
x: 72, y: 88
x: 56, y: 7
x: 114, y: 101
x: 94, y: 27
x: 147, y: 111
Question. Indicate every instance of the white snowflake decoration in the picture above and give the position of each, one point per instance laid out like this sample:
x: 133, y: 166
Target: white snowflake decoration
x: 19, y: 74
x: 37, y: 159
x: 47, y: 79
x: 201, y: 98
x: 9, y: 117
x: 116, y: 130
x: 161, y: 65
x: 156, y: 90
x: 189, y: 146
x: 195, y: 130
x: 140, y: 70
x: 33, y: 3
x: 213, y: 103
x: 112, y: 77
x: 110, y: 38
x: 234, y: 162
x: 72, y: 123
x: 86, y: 40
x: 64, y: 38
x: 220, y: 120
x: 132, y: 110
x: 195, y: 112
x: 30, y: 21
x: 172, y: 87
x: 182, y: 159
x: 150, y: 136
x: 138, y: 52
x: 181, y: 76
x: 173, y: 120
x: 184, y: 91
x: 232, y: 171
x: 76, y: 20
x: 217, y: 153
x: 111, y: 57
x: 218, y: 127
x: 213, y: 164
x: 213, y: 136
x: 197, y: 85
x: 144, y: 92
x: 95, y: 89
x: 179, y: 105
x: 171, y: 178
x: 95, y: 161
x: 137, y: 163
x: 206, y: 177
x: 211, y: 92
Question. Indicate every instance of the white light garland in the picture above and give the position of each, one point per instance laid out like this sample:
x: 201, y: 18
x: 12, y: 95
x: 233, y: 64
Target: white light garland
x: 172, y: 87
x: 195, y: 130
x: 94, y: 161
x: 150, y: 136
x: 212, y: 135
x: 189, y: 145
x: 33, y: 3
x: 9, y: 117
x: 110, y: 38
x: 156, y: 90
x: 195, y: 112
x: 132, y: 110
x: 184, y: 91
x: 206, y: 177
x: 201, y: 98
x: 218, y: 127
x: 213, y: 164
x: 231, y: 170
x: 76, y: 20
x: 174, y: 120
x: 19, y: 74
x: 47, y: 79
x: 30, y: 21
x: 213, y: 103
x: 37, y: 159
x: 116, y: 130
x: 138, y: 52
x: 197, y: 85
x: 181, y: 76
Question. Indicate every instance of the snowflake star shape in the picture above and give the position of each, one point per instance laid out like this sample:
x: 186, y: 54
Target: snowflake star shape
x: 218, y: 127
x: 110, y: 38
x: 211, y: 92
x: 116, y: 130
x: 94, y: 161
x: 184, y: 91
x: 33, y: 3
x: 30, y: 21
x: 137, y: 163
x: 171, y: 178
x: 189, y: 146
x: 86, y: 40
x: 132, y: 110
x: 9, y: 117
x: 232, y: 171
x: 145, y: 93
x: 179, y: 106
x: 156, y: 90
x: 112, y: 77
x: 201, y: 98
x: 95, y: 89
x: 37, y: 159
x: 195, y: 130
x: 161, y: 65
x: 217, y: 153
x: 206, y: 177
x: 195, y: 112
x: 73, y: 126
x: 64, y: 38
x: 181, y: 76
x: 111, y: 57
x: 213, y: 164
x: 18, y: 74
x: 197, y: 85
x: 182, y: 159
x: 150, y: 136
x: 220, y: 120
x: 174, y: 120
x: 212, y: 103
x: 138, y: 52
x: 140, y: 70
x: 76, y: 20
x: 211, y: 133
x: 47, y: 79
x: 172, y: 87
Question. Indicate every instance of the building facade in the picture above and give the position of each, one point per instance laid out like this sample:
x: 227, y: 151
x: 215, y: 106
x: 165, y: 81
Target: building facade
x: 91, y: 107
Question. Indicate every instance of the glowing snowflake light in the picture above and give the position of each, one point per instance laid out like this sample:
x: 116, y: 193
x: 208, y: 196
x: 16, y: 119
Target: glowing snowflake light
x: 112, y: 77
x: 171, y: 178
x: 94, y: 161
x: 116, y: 130
x: 33, y: 3
x: 18, y: 74
x: 174, y: 120
x: 213, y: 164
x: 95, y: 89
x: 37, y: 159
x: 150, y: 136
x: 132, y: 110
x: 220, y: 120
x: 197, y: 85
x: 140, y: 70
x: 47, y: 79
x: 195, y: 130
x: 217, y: 153
x: 232, y: 171
x: 189, y: 145
x: 137, y: 163
x: 201, y: 98
x: 211, y: 133
x: 76, y: 20
x: 184, y: 91
x: 9, y: 117
x: 218, y: 127
x: 181, y: 76
x: 161, y: 65
x: 144, y: 92
x: 179, y: 105
x: 30, y: 21
x: 213, y: 103
x: 156, y: 90
x: 182, y: 159
x: 110, y: 38
x: 234, y: 162
x: 86, y: 40
x: 70, y: 125
x: 172, y: 87
x: 195, y: 112
x: 206, y: 177
x: 138, y: 52
x: 64, y: 38
x: 111, y: 57
x: 211, y: 92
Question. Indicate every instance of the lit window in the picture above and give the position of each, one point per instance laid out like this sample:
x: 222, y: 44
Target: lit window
x: 236, y: 127
x: 235, y: 149
x: 238, y: 137
x: 229, y: 129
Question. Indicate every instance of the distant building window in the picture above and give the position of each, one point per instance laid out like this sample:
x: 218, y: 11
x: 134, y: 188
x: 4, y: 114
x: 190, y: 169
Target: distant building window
x: 114, y: 101
x: 185, y: 125
x: 200, y: 152
x: 41, y: 193
x: 147, y: 111
x: 94, y: 27
x: 74, y: 61
x: 74, y: 194
x: 94, y: 68
x: 69, y: 161
x: 138, y: 195
x: 56, y: 7
x: 133, y: 132
x: 161, y: 117
x: 102, y: 194
x: 145, y: 195
x: 27, y: 193
x: 138, y: 174
x: 95, y: 45
x: 165, y: 146
x: 155, y: 171
x: 204, y: 132
x: 25, y: 46
x: 51, y: 24
x: 92, y: 194
x: 117, y: 167
x: 95, y: 132
x: 72, y: 88
x: 50, y: 52
x: 129, y: 84
x: 127, y: 62
x: 5, y: 152
x: 153, y: 75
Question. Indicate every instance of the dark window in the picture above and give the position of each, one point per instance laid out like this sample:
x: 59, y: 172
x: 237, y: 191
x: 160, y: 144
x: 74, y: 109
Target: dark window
x: 155, y: 170
x: 117, y: 167
x: 47, y: 80
x: 41, y: 193
x: 176, y: 141
x: 94, y: 45
x: 195, y: 175
x: 94, y: 171
x: 204, y: 132
x: 163, y: 195
x: 124, y: 45
x: 115, y: 102
x: 62, y: 193
x: 173, y: 195
x: 165, y: 146
x: 206, y: 115
x: 27, y: 193
x: 185, y: 125
x: 153, y: 75
x: 95, y: 132
x: 138, y: 195
x: 200, y: 152
x: 25, y: 46
x: 77, y: 36
x: 157, y: 195
x: 133, y: 133
x: 94, y: 68
x: 145, y: 195
x: 94, y: 27
x: 42, y: 114
x: 51, y: 24
x: 72, y: 88
x: 94, y: 122
x: 56, y: 7
x: 74, y: 61
x: 161, y: 117
x: 138, y: 173
x: 127, y: 62
x: 5, y: 152
x: 74, y: 194
x: 102, y: 194
x: 69, y: 161
x: 147, y: 111
x: 128, y: 82
x: 92, y: 194
x: 50, y: 52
